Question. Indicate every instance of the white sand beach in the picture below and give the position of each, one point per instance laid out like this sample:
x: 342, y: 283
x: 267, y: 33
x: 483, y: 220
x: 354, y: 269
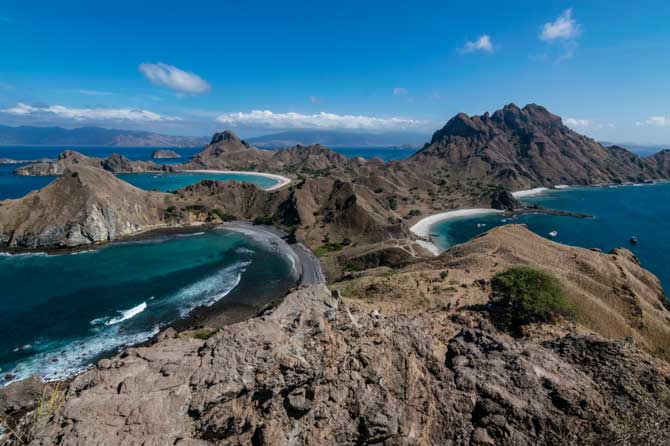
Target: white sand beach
x: 422, y: 227
x: 282, y: 180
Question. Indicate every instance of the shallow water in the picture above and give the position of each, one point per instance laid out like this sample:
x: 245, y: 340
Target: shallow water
x: 62, y: 312
x: 620, y: 212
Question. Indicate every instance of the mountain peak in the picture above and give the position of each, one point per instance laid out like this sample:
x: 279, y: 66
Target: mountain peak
x: 226, y: 135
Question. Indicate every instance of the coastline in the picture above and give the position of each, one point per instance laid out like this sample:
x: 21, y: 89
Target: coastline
x: 238, y: 304
x: 282, y: 180
x: 422, y: 227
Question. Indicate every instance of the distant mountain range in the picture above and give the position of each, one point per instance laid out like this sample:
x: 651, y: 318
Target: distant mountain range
x: 640, y: 149
x: 339, y: 139
x: 92, y: 136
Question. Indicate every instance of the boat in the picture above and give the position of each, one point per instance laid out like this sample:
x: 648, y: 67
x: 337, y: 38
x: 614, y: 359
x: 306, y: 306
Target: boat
x: 481, y: 225
x: 553, y: 233
x: 633, y: 240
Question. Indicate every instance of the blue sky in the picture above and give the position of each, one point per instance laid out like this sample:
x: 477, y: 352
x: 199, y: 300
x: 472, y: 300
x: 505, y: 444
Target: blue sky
x: 259, y: 67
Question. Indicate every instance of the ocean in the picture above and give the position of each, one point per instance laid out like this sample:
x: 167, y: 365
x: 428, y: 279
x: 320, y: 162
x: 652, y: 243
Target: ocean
x: 619, y: 213
x: 63, y: 312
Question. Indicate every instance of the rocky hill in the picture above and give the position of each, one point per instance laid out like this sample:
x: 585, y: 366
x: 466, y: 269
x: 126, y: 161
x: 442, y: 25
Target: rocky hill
x: 521, y: 148
x: 84, y: 205
x: 114, y: 163
x: 363, y: 370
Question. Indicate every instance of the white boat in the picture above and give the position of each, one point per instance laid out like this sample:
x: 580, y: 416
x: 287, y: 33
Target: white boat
x: 553, y: 233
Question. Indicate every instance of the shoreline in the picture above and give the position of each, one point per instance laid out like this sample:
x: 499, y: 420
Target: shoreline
x: 422, y: 227
x: 282, y: 180
x: 235, y: 306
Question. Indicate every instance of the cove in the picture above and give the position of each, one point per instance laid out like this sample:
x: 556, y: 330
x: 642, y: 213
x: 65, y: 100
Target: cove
x: 619, y: 213
x: 63, y: 312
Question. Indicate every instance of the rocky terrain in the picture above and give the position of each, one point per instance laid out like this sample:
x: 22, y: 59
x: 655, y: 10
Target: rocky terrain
x: 164, y: 154
x: 416, y: 363
x: 521, y: 148
x: 115, y: 163
x: 84, y: 205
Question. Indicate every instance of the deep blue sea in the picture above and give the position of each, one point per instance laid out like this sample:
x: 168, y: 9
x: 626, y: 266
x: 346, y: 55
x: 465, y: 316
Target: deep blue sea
x: 62, y: 312
x: 619, y: 213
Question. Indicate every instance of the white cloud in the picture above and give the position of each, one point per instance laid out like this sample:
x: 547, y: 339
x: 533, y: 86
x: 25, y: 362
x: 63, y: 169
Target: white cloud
x: 314, y: 100
x: 482, y: 44
x: 582, y: 124
x: 88, y: 114
x: 574, y: 122
x: 563, y: 28
x: 322, y: 120
x: 172, y: 77
x: 658, y: 121
x: 95, y: 93
x: 399, y: 91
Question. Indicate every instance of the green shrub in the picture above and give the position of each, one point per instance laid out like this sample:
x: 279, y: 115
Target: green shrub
x: 393, y: 202
x: 523, y: 295
x: 171, y: 209
x: 224, y: 216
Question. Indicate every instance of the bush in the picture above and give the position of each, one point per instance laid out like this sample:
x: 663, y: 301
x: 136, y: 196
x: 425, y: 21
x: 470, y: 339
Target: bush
x: 393, y: 202
x: 523, y: 295
x: 223, y: 216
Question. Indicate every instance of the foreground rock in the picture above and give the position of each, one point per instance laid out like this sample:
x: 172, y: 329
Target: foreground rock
x: 165, y: 154
x: 69, y: 158
x: 84, y: 205
x: 317, y: 371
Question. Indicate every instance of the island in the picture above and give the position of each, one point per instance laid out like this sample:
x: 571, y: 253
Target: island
x: 165, y: 154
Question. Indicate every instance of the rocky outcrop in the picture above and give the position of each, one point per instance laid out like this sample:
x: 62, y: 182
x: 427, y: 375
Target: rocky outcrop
x: 529, y: 147
x: 228, y: 151
x: 165, y: 154
x: 319, y: 371
x: 115, y: 163
x: 84, y: 205
x: 504, y: 201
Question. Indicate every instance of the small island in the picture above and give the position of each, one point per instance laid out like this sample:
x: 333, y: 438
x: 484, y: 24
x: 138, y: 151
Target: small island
x: 165, y: 154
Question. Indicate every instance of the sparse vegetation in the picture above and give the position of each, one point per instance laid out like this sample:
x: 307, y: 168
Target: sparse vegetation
x: 328, y: 247
x: 523, y: 295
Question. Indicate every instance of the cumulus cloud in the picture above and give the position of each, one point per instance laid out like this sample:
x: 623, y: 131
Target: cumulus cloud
x: 172, y: 77
x: 399, y: 91
x: 563, y: 28
x: 482, y: 44
x: 658, y: 121
x: 322, y: 120
x: 87, y: 114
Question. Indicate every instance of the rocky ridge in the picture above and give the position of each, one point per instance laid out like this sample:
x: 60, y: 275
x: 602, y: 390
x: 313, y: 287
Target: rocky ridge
x: 521, y: 148
x: 115, y: 163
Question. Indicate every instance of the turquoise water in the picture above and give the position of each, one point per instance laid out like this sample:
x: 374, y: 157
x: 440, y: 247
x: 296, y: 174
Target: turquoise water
x: 621, y: 212
x: 60, y: 313
x: 172, y: 181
